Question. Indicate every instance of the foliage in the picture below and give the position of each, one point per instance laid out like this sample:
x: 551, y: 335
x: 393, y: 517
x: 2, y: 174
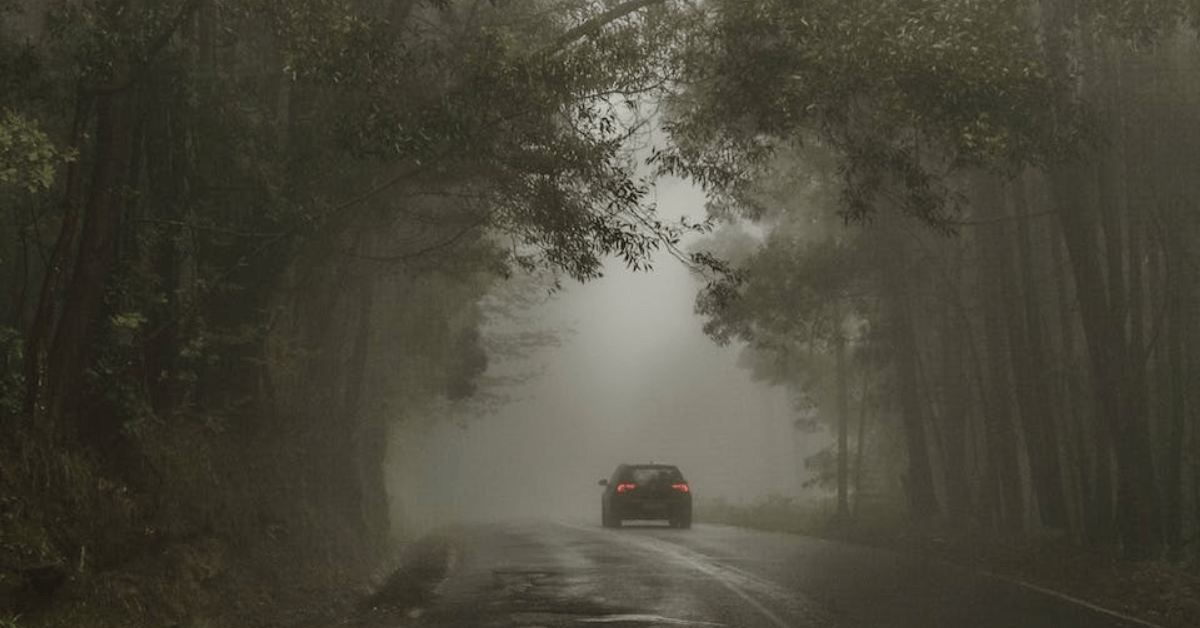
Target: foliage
x: 904, y: 91
x: 803, y: 286
x: 28, y: 159
x: 11, y: 382
x: 1142, y: 22
x: 275, y: 237
x: 776, y: 513
x: 1039, y: 136
x: 823, y: 469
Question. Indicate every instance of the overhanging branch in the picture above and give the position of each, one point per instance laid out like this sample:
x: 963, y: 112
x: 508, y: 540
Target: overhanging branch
x: 593, y: 26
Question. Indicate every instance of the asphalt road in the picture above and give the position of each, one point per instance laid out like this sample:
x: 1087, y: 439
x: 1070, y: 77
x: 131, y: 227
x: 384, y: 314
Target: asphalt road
x: 543, y: 574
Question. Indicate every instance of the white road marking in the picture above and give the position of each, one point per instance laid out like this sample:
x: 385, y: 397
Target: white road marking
x: 650, y: 619
x: 732, y: 578
x: 1071, y: 599
x: 737, y: 580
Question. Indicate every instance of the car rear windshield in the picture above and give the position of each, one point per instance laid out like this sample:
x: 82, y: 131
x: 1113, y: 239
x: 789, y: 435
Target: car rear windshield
x: 653, y: 475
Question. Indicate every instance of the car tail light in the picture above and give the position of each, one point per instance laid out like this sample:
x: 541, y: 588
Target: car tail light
x: 682, y: 488
x: 621, y: 488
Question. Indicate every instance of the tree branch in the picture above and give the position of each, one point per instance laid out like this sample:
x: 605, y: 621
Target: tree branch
x: 999, y: 220
x: 156, y: 45
x: 593, y: 26
x: 210, y: 229
x: 442, y: 244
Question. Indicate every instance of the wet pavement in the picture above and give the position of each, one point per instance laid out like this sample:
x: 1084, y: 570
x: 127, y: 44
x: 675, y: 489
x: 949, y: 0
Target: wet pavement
x: 551, y: 575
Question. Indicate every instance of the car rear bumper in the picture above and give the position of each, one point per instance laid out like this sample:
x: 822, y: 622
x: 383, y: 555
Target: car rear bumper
x: 658, y: 509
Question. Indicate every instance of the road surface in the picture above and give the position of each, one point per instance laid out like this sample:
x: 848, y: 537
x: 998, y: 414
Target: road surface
x: 553, y: 575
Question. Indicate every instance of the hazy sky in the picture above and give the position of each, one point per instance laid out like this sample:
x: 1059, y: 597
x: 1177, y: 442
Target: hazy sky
x: 636, y: 381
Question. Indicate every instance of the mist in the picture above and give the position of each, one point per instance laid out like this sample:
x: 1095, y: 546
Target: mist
x: 292, y: 287
x: 634, y: 380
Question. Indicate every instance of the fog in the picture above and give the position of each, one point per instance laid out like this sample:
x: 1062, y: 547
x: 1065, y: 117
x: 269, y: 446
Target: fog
x: 260, y: 328
x: 634, y: 379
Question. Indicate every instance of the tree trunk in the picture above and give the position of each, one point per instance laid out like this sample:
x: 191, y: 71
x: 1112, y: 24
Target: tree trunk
x: 1078, y: 438
x: 83, y: 304
x: 861, y: 444
x: 1138, y: 501
x: 919, y: 486
x: 954, y: 419
x: 1003, y: 457
x: 1039, y: 422
x: 39, y: 343
x: 1177, y: 287
x: 843, y: 441
x: 1079, y: 234
x: 1095, y: 245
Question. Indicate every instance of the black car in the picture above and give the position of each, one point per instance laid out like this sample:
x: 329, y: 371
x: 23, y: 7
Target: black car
x: 646, y: 491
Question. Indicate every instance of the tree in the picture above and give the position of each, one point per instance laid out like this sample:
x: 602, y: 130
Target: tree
x: 272, y: 225
x: 1046, y: 249
x: 794, y: 299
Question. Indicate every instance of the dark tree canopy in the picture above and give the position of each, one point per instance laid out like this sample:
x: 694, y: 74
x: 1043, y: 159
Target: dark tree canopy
x: 242, y: 240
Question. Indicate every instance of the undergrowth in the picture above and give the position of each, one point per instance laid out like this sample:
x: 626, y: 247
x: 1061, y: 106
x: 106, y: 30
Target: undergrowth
x: 193, y: 524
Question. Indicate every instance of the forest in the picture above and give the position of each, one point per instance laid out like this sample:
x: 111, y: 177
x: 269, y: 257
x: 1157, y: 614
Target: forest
x: 1014, y: 291
x: 241, y: 240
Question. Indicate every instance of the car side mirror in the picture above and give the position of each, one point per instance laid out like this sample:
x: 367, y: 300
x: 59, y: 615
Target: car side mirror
x: 603, y: 482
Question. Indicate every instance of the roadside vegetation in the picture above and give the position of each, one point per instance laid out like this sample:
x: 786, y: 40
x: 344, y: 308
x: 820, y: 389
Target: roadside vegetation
x: 970, y: 262
x: 244, y: 240
x: 971, y: 258
x: 241, y: 241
